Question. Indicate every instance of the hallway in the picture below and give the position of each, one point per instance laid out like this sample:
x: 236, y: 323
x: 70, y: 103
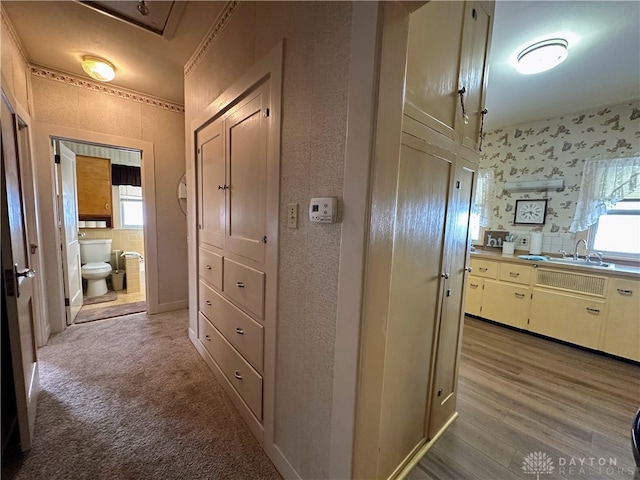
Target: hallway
x: 130, y: 398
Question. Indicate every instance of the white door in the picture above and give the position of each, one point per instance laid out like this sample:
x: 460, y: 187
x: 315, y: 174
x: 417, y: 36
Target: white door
x: 18, y: 287
x: 68, y: 211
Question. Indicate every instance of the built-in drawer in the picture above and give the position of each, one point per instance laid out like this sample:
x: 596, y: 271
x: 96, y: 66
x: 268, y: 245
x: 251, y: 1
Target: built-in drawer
x: 238, y: 328
x: 246, y: 381
x: 512, y: 272
x: 210, y: 268
x: 484, y: 268
x: 245, y: 286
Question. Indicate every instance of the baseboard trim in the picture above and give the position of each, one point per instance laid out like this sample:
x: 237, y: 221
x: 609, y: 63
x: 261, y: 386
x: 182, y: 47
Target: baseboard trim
x: 425, y: 448
x: 167, y: 307
x: 280, y: 461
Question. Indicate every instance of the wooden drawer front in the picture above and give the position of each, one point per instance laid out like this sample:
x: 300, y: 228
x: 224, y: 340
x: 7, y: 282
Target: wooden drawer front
x: 244, y: 285
x: 245, y: 334
x: 246, y: 381
x: 210, y: 268
x: 512, y: 272
x: 484, y: 268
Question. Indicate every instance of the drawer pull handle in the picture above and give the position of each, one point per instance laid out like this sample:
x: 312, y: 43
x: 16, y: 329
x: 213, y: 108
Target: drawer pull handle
x: 208, y: 267
x: 519, y: 295
x: 514, y: 274
x: 237, y: 375
x: 474, y: 285
x: 239, y: 284
x: 593, y: 310
x: 624, y: 292
x: 208, y: 302
x: 207, y: 338
x: 483, y: 269
x: 239, y: 331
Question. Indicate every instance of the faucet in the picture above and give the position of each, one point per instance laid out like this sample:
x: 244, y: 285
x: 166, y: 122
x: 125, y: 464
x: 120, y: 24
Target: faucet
x: 575, y: 253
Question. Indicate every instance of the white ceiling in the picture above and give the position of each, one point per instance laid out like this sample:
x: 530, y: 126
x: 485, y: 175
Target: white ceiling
x: 603, y: 66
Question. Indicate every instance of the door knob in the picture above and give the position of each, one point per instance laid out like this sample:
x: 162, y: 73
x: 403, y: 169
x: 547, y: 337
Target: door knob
x: 468, y: 269
x: 27, y: 272
x: 445, y: 275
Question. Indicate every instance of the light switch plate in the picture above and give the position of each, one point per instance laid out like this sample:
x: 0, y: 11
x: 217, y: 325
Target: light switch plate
x: 292, y: 215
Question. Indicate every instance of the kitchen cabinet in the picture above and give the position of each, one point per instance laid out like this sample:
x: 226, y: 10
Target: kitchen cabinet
x: 417, y: 268
x: 573, y: 318
x: 474, y: 295
x: 93, y: 177
x: 506, y: 303
x: 622, y: 324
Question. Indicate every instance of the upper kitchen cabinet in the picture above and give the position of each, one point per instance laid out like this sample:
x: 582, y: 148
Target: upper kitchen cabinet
x: 450, y: 99
x: 94, y: 189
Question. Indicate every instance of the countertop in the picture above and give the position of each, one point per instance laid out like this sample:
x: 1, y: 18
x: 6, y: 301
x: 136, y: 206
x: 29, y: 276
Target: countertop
x: 617, y: 270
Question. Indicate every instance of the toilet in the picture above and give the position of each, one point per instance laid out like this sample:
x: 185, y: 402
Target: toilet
x: 95, y: 255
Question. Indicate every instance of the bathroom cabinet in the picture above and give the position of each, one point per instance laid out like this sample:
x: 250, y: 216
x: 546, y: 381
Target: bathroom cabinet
x: 93, y: 179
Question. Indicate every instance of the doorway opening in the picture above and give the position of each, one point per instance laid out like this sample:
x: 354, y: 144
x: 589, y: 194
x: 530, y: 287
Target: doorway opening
x: 101, y: 221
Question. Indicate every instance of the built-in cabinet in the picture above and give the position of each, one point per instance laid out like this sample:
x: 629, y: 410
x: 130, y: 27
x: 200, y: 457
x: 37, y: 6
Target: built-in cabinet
x: 412, y: 332
x: 93, y: 179
x: 592, y: 310
x: 237, y: 204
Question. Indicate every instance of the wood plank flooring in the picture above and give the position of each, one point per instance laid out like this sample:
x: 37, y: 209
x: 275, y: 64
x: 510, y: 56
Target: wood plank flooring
x: 520, y: 394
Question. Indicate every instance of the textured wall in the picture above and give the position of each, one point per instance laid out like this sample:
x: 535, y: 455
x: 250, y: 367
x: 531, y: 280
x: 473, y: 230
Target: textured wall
x: 68, y: 105
x: 316, y: 67
x: 13, y: 66
x: 556, y: 149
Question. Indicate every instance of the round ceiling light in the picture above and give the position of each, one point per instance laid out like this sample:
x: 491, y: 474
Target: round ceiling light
x: 98, y: 68
x: 542, y: 56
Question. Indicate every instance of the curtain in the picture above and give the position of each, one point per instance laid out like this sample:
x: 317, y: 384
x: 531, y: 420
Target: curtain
x: 485, y: 196
x: 604, y: 183
x: 125, y: 175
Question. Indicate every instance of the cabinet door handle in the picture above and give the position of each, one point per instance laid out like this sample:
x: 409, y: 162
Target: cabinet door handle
x: 237, y: 375
x: 519, y: 295
x: 239, y: 284
x: 208, y: 267
x: 474, y: 285
x: 514, y: 274
x: 624, y: 292
x: 208, y: 302
x: 483, y: 269
x: 239, y: 331
x: 106, y: 206
x: 593, y: 310
x: 207, y: 338
x: 223, y: 187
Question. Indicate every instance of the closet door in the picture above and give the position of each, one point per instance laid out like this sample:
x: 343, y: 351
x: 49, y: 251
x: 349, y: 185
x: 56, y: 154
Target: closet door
x: 211, y: 184
x: 414, y: 300
x: 449, y: 331
x: 246, y: 146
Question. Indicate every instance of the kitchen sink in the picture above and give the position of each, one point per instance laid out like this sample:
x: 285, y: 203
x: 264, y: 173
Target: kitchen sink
x: 581, y: 262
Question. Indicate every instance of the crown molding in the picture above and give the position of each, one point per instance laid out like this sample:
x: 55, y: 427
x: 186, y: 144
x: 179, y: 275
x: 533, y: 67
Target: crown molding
x: 211, y: 36
x: 69, y: 79
x: 6, y: 23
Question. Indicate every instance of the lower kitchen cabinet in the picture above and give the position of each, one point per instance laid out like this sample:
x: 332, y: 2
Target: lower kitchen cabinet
x: 572, y: 318
x: 622, y: 331
x: 474, y: 294
x: 506, y: 303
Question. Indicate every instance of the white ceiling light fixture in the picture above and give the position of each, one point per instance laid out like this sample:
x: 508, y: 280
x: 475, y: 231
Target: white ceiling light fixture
x: 542, y: 56
x: 98, y: 68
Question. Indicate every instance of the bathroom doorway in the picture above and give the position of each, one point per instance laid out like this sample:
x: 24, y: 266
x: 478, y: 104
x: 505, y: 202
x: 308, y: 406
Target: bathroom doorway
x: 110, y: 229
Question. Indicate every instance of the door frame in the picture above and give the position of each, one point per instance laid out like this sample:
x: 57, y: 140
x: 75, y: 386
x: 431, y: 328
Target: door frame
x: 43, y: 135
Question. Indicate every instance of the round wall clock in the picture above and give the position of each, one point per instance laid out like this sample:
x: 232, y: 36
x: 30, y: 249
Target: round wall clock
x: 531, y: 212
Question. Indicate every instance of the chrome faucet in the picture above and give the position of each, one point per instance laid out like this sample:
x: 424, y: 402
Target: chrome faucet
x: 575, y: 253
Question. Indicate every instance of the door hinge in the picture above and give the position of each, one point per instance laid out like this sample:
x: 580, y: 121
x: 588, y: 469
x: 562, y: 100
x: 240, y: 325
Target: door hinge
x: 66, y: 302
x: 9, y: 282
x: 474, y: 14
x: 458, y: 184
x: 56, y: 158
x: 267, y: 112
x: 198, y: 151
x: 264, y: 239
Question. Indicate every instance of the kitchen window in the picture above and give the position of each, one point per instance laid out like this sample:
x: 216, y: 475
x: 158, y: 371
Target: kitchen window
x: 617, y: 233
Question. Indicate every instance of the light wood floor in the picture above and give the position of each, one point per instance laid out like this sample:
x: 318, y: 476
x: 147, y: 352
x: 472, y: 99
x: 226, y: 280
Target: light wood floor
x: 520, y: 394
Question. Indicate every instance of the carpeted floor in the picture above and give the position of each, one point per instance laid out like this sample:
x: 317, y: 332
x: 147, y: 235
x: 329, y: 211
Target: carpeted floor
x: 132, y: 399
x: 110, y: 312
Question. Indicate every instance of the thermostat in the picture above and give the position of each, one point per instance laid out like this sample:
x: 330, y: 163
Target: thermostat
x: 323, y: 210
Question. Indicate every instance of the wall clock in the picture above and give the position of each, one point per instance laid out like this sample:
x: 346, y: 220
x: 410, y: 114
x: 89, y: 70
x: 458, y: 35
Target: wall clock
x: 530, y: 212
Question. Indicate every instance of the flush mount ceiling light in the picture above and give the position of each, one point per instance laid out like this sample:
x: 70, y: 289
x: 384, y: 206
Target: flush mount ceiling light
x: 98, y: 68
x: 542, y: 56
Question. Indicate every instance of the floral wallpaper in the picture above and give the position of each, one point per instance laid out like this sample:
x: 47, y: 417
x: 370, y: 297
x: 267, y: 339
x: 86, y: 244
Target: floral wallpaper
x: 556, y: 149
